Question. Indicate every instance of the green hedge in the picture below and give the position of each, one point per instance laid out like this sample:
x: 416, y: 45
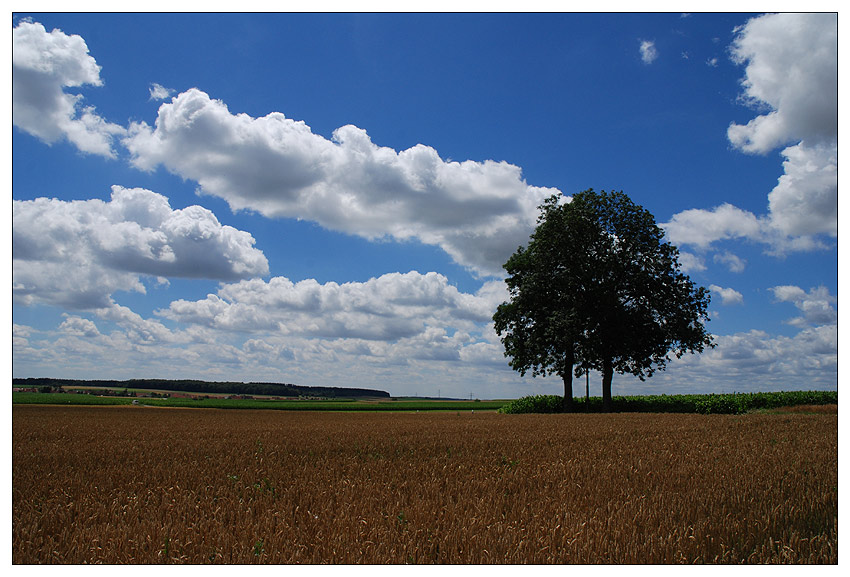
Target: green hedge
x: 732, y: 403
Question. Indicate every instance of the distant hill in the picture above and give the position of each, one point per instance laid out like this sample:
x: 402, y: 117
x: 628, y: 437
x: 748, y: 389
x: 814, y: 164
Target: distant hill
x: 205, y: 387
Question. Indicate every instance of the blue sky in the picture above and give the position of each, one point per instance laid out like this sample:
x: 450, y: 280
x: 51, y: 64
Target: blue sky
x: 327, y: 199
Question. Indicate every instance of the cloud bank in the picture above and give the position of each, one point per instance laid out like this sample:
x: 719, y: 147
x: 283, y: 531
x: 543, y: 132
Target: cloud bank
x: 387, y: 308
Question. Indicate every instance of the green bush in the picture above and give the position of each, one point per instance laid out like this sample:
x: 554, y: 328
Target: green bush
x: 534, y: 404
x: 722, y: 404
x: 710, y: 404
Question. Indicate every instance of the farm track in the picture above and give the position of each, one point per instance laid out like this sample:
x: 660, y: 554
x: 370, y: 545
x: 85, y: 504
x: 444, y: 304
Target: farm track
x: 118, y: 485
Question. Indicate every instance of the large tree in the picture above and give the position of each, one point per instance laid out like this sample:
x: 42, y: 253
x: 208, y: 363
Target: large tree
x: 598, y: 288
x: 545, y: 322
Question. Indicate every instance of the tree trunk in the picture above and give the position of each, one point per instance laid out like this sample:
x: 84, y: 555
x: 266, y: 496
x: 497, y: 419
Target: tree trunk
x: 567, y: 375
x: 569, y: 406
x: 607, y: 377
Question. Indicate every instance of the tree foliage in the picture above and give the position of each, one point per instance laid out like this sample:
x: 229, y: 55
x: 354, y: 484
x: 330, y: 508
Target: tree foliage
x: 598, y: 288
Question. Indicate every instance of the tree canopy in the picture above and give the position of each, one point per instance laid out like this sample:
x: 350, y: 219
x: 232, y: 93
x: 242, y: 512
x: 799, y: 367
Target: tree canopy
x: 598, y: 288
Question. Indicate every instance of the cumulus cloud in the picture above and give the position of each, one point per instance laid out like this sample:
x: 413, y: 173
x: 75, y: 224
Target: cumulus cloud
x: 728, y: 296
x: 78, y: 253
x: 690, y: 262
x: 648, y: 51
x: 22, y: 331
x: 792, y: 71
x: 791, y: 75
x: 733, y: 262
x: 388, y: 308
x: 478, y: 212
x: 137, y: 329
x: 768, y: 362
x: 79, y: 326
x: 367, y: 333
x: 816, y: 305
x: 700, y: 227
x: 44, y: 64
x: 805, y: 202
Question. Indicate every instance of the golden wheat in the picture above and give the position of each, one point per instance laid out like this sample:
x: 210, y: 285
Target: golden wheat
x: 144, y: 485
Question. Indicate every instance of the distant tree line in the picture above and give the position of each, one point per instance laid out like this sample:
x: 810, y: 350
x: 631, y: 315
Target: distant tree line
x: 193, y: 386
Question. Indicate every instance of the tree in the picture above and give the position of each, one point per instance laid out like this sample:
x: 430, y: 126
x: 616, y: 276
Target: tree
x: 545, y: 321
x: 597, y: 288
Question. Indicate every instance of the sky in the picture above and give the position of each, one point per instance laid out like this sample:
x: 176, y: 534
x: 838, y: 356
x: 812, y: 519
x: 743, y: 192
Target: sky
x: 328, y: 199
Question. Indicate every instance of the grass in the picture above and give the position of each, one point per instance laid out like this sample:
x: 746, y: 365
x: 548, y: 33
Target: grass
x: 271, y: 404
x: 66, y: 399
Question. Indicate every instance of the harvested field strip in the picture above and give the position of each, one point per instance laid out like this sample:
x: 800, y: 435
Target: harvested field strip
x: 124, y: 485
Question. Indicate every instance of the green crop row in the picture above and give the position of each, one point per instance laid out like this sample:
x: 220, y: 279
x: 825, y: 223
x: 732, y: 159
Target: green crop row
x: 66, y: 399
x: 286, y: 405
x: 336, y: 405
x: 726, y: 403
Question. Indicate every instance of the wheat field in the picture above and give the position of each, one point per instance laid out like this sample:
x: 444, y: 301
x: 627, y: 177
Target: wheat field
x: 137, y: 485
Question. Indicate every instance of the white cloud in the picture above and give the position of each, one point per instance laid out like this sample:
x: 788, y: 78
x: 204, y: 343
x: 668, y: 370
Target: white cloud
x: 78, y: 253
x: 755, y: 361
x: 816, y: 305
x: 79, y: 326
x: 700, y: 228
x: 478, y: 212
x: 43, y: 66
x: 160, y: 92
x: 388, y: 308
x: 728, y: 296
x: 805, y: 202
x: 435, y: 356
x: 690, y: 262
x: 398, y: 332
x: 648, y: 51
x: 733, y: 262
x: 792, y: 70
x: 21, y: 330
x: 791, y: 74
x: 137, y: 329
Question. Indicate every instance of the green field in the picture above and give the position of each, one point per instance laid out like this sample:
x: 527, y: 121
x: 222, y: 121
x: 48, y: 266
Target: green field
x: 732, y: 403
x: 285, y: 405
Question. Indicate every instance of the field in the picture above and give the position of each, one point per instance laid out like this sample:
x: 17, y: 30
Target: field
x: 170, y: 485
x: 213, y: 402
